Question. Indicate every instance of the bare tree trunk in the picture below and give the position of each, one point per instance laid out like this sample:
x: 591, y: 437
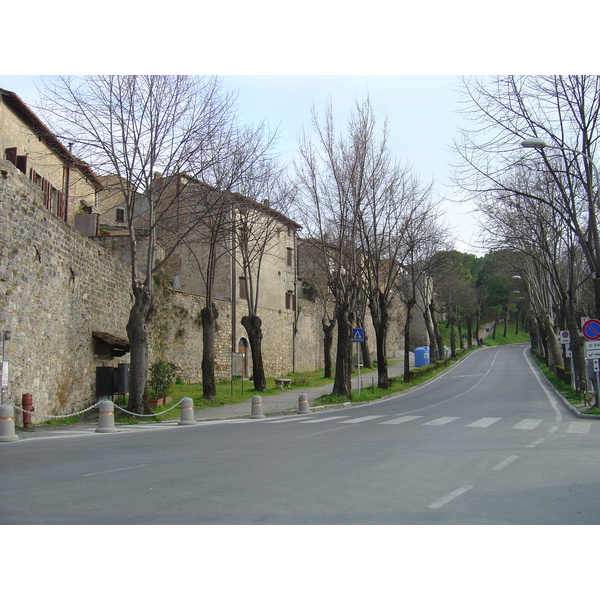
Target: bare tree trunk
x: 342, y: 384
x: 430, y: 336
x: 137, y: 330
x: 209, y: 315
x: 436, y: 331
x: 328, y: 327
x: 555, y: 357
x: 409, y: 307
x: 253, y: 326
x: 381, y: 320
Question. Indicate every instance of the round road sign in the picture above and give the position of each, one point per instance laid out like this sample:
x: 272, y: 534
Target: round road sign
x: 591, y: 330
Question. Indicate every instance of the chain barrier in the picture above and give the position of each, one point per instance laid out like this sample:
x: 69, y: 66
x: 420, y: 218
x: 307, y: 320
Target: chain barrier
x: 154, y: 414
x: 275, y: 408
x: 37, y: 414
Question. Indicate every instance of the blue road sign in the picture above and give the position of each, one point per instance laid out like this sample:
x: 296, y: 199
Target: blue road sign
x: 358, y: 334
x: 591, y: 330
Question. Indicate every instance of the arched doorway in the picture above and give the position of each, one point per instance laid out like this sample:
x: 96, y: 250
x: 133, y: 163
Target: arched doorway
x: 243, y: 350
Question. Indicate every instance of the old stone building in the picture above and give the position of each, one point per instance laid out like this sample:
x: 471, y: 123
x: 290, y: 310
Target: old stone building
x: 69, y: 186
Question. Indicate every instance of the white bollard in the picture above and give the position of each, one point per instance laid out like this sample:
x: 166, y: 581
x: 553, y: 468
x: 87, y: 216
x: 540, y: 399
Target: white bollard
x: 257, y: 410
x: 303, y: 405
x: 7, y: 424
x: 186, y: 416
x: 106, y: 418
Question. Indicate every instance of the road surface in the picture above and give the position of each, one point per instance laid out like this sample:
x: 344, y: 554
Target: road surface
x: 488, y: 442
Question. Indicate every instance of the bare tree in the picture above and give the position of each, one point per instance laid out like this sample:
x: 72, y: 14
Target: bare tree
x: 259, y: 228
x: 333, y: 174
x: 564, y: 111
x: 135, y: 126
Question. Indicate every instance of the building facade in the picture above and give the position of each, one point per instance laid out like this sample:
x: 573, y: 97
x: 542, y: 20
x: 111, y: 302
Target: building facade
x: 68, y: 185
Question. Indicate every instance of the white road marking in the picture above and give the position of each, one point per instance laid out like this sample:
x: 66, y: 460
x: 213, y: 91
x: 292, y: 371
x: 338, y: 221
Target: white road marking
x: 441, y: 421
x: 536, y: 443
x: 399, y: 420
x: 114, y: 470
x: 527, y: 424
x: 505, y: 463
x: 323, y: 419
x: 578, y: 427
x: 484, y: 422
x: 361, y: 419
x: 449, y: 497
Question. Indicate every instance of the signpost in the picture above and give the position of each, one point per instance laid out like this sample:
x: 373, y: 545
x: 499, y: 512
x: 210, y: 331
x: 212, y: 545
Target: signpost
x: 591, y: 332
x: 358, y: 336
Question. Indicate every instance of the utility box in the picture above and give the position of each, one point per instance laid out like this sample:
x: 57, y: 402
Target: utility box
x: 111, y: 380
x: 123, y: 378
x: 105, y: 381
x: 422, y: 356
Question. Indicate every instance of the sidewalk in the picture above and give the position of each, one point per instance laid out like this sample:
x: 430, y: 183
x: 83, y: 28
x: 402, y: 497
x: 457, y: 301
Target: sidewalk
x: 286, y: 402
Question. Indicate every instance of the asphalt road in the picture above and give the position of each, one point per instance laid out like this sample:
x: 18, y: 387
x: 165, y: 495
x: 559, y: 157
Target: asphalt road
x: 488, y: 442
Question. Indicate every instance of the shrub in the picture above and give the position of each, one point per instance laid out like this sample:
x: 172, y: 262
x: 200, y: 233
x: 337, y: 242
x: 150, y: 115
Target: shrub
x: 161, y: 378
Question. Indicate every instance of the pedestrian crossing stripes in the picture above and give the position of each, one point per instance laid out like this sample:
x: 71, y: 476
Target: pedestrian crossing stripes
x: 482, y: 423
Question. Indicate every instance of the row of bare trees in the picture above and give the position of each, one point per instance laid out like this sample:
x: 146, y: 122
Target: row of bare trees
x: 136, y: 127
x: 373, y: 226
x: 542, y: 203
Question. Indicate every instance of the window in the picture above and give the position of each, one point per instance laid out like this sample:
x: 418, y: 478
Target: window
x: 242, y: 288
x: 290, y: 300
x: 290, y: 257
x: 120, y: 215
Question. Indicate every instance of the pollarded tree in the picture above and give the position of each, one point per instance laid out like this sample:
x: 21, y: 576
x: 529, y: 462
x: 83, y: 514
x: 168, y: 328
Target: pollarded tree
x: 333, y: 175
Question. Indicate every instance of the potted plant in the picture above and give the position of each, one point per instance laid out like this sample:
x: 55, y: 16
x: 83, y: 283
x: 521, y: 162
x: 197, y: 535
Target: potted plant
x: 160, y: 381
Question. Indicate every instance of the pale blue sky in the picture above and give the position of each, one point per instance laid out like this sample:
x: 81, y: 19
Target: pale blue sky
x: 421, y: 111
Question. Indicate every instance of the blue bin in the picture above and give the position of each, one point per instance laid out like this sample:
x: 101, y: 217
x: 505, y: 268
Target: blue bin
x: 422, y: 356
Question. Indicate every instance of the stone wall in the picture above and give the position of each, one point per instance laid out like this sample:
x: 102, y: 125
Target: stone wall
x: 56, y: 287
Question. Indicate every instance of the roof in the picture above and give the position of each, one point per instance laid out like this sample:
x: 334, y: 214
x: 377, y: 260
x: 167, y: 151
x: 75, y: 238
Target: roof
x: 118, y: 345
x: 31, y: 119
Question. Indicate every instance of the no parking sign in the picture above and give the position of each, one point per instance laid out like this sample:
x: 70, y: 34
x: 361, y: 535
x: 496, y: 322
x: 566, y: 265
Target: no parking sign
x: 591, y: 330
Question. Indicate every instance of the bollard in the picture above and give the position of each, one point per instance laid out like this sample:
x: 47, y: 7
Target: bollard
x: 186, y: 416
x: 27, y: 404
x: 7, y: 424
x: 257, y: 411
x: 106, y: 419
x: 303, y: 405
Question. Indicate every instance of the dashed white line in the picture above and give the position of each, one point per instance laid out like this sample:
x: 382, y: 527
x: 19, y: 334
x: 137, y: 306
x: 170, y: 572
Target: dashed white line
x: 449, y: 497
x: 536, y: 443
x: 114, y: 470
x: 505, y: 463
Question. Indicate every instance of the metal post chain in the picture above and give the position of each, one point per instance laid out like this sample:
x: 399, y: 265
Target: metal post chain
x: 152, y: 415
x: 37, y: 414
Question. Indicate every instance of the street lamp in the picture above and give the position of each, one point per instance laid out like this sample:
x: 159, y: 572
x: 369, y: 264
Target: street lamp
x: 534, y: 143
x: 540, y: 145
